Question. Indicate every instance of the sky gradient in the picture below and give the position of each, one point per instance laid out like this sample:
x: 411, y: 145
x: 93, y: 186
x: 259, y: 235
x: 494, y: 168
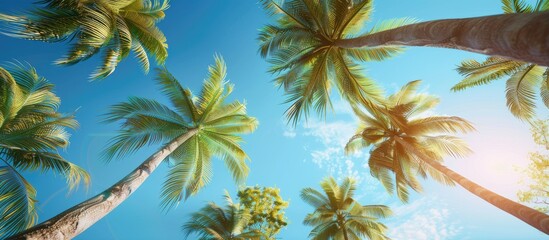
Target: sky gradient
x: 282, y: 156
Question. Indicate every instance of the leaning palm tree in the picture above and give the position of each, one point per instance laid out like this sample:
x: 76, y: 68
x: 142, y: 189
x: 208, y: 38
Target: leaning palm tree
x: 31, y: 132
x: 339, y: 216
x: 117, y: 27
x: 191, y: 132
x: 409, y: 142
x: 314, y: 45
x: 524, y: 78
x: 214, y: 222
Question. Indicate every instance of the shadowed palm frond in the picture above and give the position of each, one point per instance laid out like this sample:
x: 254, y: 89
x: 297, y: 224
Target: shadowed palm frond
x: 406, y: 138
x: 31, y: 132
x: 521, y: 92
x: 115, y: 28
x: 300, y: 48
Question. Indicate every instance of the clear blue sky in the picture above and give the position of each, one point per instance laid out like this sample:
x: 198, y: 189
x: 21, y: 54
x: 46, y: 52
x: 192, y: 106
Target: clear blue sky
x: 290, y: 159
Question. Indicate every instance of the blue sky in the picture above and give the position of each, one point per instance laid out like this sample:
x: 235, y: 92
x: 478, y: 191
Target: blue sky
x: 284, y: 157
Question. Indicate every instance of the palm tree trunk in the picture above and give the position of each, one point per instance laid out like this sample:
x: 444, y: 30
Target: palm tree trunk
x: 533, y: 217
x: 518, y: 36
x: 75, y: 220
x: 528, y: 215
x: 343, y: 228
x: 345, y: 234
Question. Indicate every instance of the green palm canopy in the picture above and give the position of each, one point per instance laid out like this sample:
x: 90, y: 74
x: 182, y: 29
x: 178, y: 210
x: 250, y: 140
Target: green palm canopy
x: 525, y: 81
x: 411, y: 141
x: 31, y: 132
x: 401, y: 141
x: 339, y: 216
x: 115, y: 27
x: 301, y: 50
x: 216, y: 125
x: 214, y: 222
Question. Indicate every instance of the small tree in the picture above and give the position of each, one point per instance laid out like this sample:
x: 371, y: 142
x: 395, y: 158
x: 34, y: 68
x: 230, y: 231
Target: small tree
x: 537, y: 193
x: 266, y: 207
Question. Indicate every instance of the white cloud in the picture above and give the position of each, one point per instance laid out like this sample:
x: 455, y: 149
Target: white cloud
x: 289, y: 133
x: 423, y: 219
x: 333, y: 136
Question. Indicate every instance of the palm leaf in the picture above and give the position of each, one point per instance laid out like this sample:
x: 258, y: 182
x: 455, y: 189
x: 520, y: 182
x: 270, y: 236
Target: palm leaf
x: 520, y: 91
x: 17, y: 202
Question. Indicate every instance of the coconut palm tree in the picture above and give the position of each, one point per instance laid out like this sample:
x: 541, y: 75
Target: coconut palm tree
x: 214, y: 222
x: 190, y: 133
x: 410, y: 142
x: 31, y: 132
x: 117, y: 27
x: 524, y: 78
x: 314, y: 45
x: 339, y: 216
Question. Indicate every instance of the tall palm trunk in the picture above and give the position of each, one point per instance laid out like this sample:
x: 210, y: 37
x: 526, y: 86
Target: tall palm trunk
x: 528, y: 215
x: 519, y: 36
x: 75, y: 220
x: 531, y: 216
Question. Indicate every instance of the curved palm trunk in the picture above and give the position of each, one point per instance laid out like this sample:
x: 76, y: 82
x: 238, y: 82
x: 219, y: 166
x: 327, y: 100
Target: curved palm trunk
x: 75, y: 220
x: 533, y: 217
x: 519, y: 36
x: 528, y: 215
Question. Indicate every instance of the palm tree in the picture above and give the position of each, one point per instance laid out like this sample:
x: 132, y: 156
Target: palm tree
x: 410, y: 142
x: 315, y: 45
x: 31, y: 132
x: 524, y: 77
x: 117, y: 27
x: 339, y: 216
x: 191, y: 132
x: 214, y: 222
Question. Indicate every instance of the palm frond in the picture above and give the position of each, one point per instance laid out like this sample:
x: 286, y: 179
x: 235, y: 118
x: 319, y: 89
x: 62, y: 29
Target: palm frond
x: 516, y: 6
x: 17, y: 202
x: 439, y: 124
x: 48, y: 161
x: 544, y: 89
x: 520, y: 91
x: 483, y: 73
x: 358, y: 15
x: 367, y: 54
x: 447, y: 145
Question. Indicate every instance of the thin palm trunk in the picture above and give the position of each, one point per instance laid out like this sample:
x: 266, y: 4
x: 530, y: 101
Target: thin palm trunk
x: 75, y: 220
x: 342, y: 225
x: 345, y: 234
x: 531, y: 216
x: 519, y: 36
x: 528, y: 215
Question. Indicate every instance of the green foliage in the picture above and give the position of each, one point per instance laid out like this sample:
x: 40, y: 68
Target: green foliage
x: 524, y: 78
x: 537, y: 172
x: 406, y: 137
x: 301, y: 48
x: 339, y: 216
x: 116, y: 27
x: 31, y: 132
x: 214, y: 222
x: 218, y: 124
x: 266, y: 208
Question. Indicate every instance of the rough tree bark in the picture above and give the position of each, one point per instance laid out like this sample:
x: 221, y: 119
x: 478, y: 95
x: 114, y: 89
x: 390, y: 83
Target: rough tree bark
x: 518, y: 36
x: 75, y: 220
